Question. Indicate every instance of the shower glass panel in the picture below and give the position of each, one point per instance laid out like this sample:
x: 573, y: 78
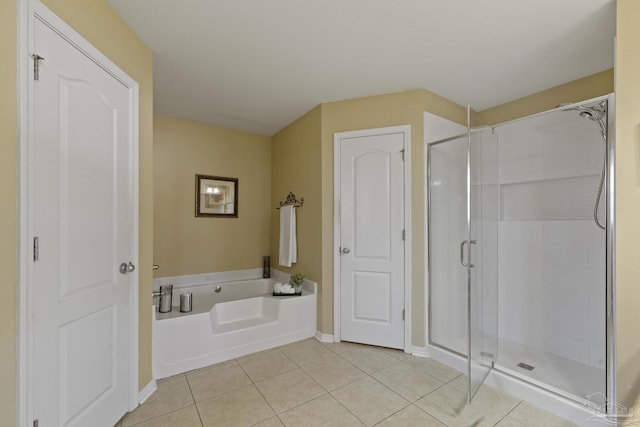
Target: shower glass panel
x: 534, y: 304
x: 552, y: 272
x: 483, y: 268
x: 447, y: 225
x: 463, y: 201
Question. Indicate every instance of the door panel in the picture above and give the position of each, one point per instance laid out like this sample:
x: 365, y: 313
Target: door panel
x: 463, y: 219
x: 371, y: 181
x: 377, y: 286
x: 87, y: 363
x: 81, y: 208
x: 371, y: 226
x: 80, y: 162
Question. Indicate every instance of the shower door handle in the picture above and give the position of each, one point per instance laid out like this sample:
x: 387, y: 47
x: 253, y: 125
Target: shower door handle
x: 462, y: 261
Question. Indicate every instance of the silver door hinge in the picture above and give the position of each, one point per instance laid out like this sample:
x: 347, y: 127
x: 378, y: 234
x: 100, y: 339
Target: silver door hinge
x: 36, y: 66
x: 36, y: 249
x: 403, y: 314
x: 402, y: 153
x: 35, y: 423
x: 404, y: 234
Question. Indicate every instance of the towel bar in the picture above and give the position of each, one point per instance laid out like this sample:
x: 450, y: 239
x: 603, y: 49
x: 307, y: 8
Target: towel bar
x: 291, y: 200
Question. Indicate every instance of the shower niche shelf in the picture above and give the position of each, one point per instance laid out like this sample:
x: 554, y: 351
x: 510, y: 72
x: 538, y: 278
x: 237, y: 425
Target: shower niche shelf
x: 552, y: 199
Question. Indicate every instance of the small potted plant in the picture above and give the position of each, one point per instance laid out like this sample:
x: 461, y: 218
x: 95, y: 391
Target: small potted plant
x: 296, y: 281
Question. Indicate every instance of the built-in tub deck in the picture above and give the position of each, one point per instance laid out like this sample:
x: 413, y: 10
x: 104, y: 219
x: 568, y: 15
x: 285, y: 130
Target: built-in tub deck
x: 243, y: 318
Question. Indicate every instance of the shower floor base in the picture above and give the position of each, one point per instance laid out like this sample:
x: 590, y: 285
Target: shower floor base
x: 568, y: 377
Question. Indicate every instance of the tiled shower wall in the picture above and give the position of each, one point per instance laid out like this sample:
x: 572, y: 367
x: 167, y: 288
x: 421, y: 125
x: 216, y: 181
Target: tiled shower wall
x: 551, y: 287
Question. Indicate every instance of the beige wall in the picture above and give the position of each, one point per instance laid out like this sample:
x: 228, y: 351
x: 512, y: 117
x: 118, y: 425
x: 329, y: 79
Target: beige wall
x: 578, y: 90
x: 302, y: 162
x: 374, y: 112
x: 628, y: 202
x: 184, y: 244
x: 97, y: 22
x: 295, y: 167
x: 8, y: 208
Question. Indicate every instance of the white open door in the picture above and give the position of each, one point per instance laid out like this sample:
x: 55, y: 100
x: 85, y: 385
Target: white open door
x: 371, y: 228
x: 81, y: 199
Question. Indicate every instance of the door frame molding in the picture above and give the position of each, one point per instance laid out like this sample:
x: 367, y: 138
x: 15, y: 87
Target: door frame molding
x: 337, y: 137
x: 28, y: 12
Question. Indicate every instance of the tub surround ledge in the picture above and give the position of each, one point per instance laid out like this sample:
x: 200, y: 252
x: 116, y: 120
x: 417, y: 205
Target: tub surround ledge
x: 231, y: 323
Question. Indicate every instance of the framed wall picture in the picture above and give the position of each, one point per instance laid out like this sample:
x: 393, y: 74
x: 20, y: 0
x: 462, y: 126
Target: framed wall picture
x: 216, y: 196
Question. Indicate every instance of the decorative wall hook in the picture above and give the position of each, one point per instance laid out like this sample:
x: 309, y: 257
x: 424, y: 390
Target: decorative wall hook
x: 292, y: 201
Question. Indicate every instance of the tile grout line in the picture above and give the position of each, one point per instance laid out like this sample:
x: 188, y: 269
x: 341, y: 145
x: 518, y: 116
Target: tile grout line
x: 297, y: 365
x: 303, y: 358
x: 370, y: 376
x: 194, y: 398
x: 289, y: 370
x: 435, y: 416
x: 347, y: 409
x: 162, y: 415
x: 253, y: 383
x: 507, y: 414
x: 326, y: 392
x: 389, y: 388
x: 402, y: 409
x: 312, y: 379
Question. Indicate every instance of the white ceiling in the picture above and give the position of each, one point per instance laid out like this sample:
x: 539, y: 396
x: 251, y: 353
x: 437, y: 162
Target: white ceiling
x: 258, y: 65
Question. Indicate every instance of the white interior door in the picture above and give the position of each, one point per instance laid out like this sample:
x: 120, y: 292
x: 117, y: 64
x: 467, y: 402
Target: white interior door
x: 372, y: 238
x: 80, y: 207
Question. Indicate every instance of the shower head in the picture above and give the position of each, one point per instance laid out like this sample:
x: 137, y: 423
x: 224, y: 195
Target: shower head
x: 591, y: 113
x: 594, y: 113
x: 598, y: 114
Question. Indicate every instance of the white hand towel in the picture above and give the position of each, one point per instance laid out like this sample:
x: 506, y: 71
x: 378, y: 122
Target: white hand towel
x: 288, y: 240
x: 286, y: 288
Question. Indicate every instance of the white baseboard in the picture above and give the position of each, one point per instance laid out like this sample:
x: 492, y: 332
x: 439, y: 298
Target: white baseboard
x: 417, y: 351
x: 147, y: 391
x: 324, y: 337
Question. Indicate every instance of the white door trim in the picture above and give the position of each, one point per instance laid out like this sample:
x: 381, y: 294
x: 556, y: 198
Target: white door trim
x: 406, y: 130
x: 28, y: 12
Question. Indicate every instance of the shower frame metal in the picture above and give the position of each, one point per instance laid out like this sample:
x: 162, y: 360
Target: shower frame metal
x: 610, y: 293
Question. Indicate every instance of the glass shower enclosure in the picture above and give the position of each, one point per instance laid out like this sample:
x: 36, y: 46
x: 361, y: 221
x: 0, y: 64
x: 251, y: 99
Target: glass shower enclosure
x: 517, y: 263
x: 464, y: 265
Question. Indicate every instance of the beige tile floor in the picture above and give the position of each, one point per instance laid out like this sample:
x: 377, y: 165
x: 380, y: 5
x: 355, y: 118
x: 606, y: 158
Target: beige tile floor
x: 309, y: 383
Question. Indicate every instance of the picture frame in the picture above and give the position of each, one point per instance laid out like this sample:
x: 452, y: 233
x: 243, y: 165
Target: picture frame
x: 216, y: 196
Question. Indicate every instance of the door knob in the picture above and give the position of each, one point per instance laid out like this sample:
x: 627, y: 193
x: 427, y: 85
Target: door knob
x: 127, y: 268
x: 346, y: 250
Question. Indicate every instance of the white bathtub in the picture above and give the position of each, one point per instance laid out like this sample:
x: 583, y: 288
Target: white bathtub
x: 241, y: 319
